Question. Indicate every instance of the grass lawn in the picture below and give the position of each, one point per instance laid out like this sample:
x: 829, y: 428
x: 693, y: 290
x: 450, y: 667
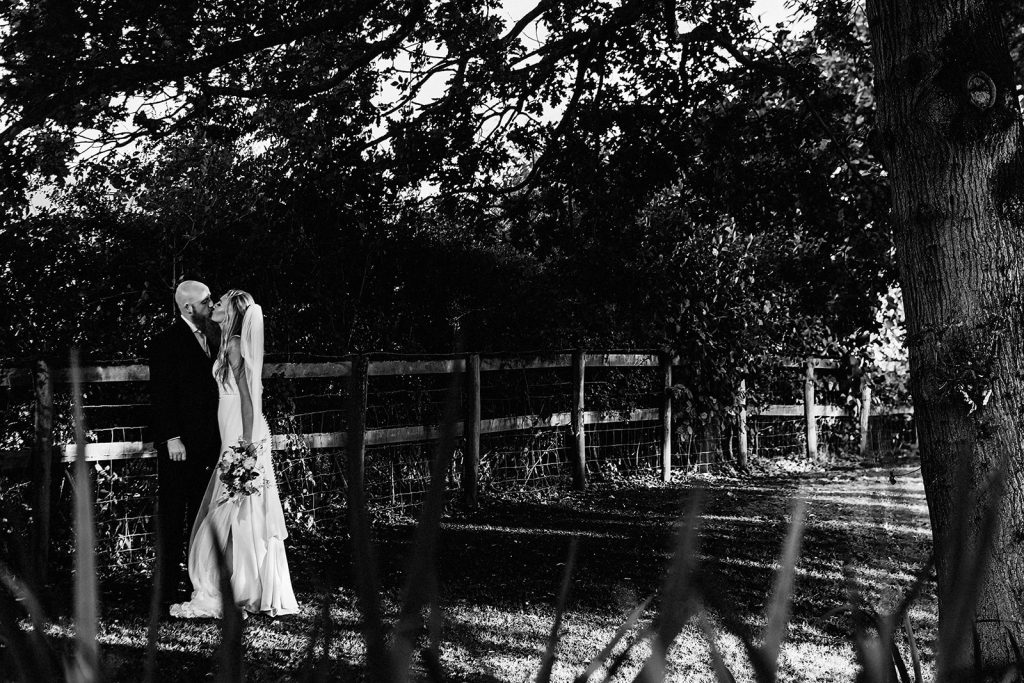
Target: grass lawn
x: 500, y: 568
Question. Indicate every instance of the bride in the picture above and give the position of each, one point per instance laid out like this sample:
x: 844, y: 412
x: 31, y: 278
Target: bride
x: 249, y: 526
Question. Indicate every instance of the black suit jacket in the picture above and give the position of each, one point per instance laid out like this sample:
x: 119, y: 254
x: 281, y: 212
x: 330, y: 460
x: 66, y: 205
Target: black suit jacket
x: 184, y: 395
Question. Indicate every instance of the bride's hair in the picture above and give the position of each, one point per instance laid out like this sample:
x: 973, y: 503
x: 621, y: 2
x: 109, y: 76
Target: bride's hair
x: 234, y: 312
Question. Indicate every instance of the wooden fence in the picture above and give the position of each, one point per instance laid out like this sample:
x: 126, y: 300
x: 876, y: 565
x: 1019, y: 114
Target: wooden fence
x: 43, y: 378
x: 580, y: 423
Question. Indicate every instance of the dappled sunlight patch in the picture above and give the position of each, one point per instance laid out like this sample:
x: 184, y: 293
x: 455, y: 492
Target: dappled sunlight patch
x: 880, y: 487
x: 846, y: 524
x: 917, y: 507
x: 828, y: 572
x: 733, y: 519
x: 567, y: 533
x: 498, y: 571
x: 817, y: 661
x: 507, y: 645
x: 901, y: 572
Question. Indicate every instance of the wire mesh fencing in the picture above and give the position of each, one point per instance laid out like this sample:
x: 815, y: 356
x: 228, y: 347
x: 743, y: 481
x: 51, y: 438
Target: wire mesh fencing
x: 527, y: 408
x: 697, y: 452
x: 125, y: 495
x: 534, y: 457
x: 838, y: 436
x: 629, y: 448
x: 398, y: 476
x: 890, y: 433
x: 16, y: 500
x: 122, y: 478
x: 408, y: 400
x: 313, y: 485
x: 776, y: 437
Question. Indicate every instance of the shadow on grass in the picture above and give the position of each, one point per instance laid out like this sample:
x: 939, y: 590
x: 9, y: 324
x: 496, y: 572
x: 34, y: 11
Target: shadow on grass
x: 506, y: 557
x: 508, y: 554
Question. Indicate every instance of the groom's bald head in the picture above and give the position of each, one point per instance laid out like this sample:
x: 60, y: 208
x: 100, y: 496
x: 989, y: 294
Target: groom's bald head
x: 193, y: 300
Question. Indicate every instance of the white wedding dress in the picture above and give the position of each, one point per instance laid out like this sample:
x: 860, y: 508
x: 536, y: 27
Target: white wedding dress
x: 250, y: 528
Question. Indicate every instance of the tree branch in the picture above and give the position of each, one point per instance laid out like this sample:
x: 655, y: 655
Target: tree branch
x: 570, y: 109
x: 351, y: 64
x: 785, y: 73
x: 113, y: 78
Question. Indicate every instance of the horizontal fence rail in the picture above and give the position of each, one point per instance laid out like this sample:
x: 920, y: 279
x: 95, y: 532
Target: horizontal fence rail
x: 122, y: 450
x: 14, y: 377
x: 543, y: 420
x: 117, y: 450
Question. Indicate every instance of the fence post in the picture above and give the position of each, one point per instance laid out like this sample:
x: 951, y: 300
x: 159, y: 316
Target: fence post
x: 810, y: 410
x: 865, y: 412
x: 666, y: 416
x: 355, y: 448
x: 471, y: 430
x: 86, y: 590
x: 42, y: 467
x: 579, y: 452
x: 741, y: 425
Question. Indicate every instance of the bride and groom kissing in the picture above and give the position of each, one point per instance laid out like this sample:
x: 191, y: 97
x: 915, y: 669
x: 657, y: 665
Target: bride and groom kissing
x: 215, y: 474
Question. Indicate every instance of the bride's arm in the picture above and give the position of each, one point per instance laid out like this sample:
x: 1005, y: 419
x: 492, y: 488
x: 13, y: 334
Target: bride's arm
x: 245, y: 398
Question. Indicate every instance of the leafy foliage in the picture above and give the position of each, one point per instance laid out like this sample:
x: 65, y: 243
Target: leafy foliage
x: 388, y: 174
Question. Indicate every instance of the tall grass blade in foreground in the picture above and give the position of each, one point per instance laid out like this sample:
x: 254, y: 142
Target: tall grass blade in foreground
x: 915, y: 656
x: 625, y: 627
x: 897, y: 660
x: 547, y: 663
x: 1018, y: 655
x: 976, y: 643
x: 871, y: 654
x: 155, y: 599
x: 311, y: 668
x: 420, y: 590
x: 13, y: 650
x: 764, y: 659
x: 923, y: 576
x: 231, y: 618
x: 364, y: 565
x: 778, y: 611
x: 677, y: 594
x: 966, y: 566
x: 871, y: 650
x: 648, y: 635
x: 722, y: 673
x: 432, y: 653
x: 85, y: 667
x: 327, y: 627
x: 32, y: 655
x: 308, y: 669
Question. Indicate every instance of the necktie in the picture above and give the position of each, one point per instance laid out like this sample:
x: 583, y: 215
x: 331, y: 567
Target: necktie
x: 202, y: 342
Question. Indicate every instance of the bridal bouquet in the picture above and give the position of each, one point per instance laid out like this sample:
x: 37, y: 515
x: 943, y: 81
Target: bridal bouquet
x: 239, y: 472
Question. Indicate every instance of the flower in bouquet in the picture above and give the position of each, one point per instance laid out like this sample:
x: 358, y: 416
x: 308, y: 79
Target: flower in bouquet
x: 239, y: 471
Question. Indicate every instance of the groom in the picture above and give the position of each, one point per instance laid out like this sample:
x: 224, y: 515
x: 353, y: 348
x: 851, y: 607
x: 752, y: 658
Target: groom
x: 184, y: 425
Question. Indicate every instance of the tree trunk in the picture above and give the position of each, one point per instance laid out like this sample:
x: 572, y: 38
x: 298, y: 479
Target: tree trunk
x: 949, y: 131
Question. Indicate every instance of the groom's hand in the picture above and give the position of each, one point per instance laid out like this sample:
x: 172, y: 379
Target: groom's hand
x: 176, y: 450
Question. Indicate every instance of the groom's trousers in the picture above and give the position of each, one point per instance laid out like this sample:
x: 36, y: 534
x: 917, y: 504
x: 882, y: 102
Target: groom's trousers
x: 179, y: 494
x: 185, y: 400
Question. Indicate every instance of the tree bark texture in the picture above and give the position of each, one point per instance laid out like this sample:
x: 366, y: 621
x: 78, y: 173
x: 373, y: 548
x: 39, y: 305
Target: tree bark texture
x: 948, y: 128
